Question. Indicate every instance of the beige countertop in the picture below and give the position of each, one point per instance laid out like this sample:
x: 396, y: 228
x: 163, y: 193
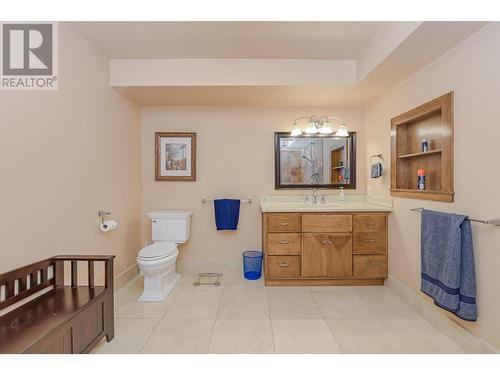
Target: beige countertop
x: 353, y: 203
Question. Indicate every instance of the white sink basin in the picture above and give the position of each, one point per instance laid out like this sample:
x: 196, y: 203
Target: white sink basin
x: 296, y: 203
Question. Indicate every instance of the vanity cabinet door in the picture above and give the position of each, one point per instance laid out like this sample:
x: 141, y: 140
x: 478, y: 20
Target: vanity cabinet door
x: 313, y: 255
x: 338, y: 255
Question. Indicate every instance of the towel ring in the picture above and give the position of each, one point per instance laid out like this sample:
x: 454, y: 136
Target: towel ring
x: 376, y: 156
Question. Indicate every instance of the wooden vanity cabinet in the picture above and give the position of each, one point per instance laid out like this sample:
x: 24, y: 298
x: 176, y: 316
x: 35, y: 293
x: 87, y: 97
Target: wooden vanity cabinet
x: 327, y: 255
x: 325, y: 248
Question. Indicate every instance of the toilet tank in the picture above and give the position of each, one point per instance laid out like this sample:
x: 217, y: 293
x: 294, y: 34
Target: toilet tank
x: 172, y: 226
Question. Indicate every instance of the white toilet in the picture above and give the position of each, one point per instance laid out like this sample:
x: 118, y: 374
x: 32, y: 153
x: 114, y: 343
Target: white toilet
x: 157, y: 261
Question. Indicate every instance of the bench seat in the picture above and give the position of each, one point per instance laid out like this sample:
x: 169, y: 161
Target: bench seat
x: 64, y: 319
x: 37, y: 319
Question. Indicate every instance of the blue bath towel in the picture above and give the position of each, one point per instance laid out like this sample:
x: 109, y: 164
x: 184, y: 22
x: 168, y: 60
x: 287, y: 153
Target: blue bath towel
x: 227, y: 213
x: 448, y: 273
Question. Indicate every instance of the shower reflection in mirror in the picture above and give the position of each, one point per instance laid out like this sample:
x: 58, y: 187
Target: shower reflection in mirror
x: 314, y: 161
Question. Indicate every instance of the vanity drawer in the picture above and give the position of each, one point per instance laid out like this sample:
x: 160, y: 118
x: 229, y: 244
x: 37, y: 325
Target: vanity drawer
x: 283, y: 222
x: 369, y: 242
x: 369, y: 265
x: 369, y: 221
x: 283, y: 244
x: 283, y: 266
x: 326, y: 223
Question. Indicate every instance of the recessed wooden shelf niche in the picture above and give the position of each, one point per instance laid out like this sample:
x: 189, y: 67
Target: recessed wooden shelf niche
x: 432, y: 121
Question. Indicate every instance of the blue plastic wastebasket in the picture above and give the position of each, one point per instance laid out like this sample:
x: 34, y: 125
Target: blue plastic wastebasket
x: 252, y: 264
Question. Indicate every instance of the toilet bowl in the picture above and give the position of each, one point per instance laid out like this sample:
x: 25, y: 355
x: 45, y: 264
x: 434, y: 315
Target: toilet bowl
x: 157, y: 265
x: 157, y: 261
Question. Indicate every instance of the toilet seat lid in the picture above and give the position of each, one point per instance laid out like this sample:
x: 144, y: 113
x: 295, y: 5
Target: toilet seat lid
x: 158, y: 250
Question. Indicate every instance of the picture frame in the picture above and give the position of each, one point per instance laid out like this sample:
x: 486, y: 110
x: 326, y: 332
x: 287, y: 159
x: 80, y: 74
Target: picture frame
x: 175, y: 156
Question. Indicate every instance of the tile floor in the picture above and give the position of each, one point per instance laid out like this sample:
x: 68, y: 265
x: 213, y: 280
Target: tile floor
x: 247, y: 317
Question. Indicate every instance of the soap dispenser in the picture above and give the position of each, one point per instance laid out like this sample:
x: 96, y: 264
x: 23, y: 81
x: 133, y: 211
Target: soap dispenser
x: 341, y: 195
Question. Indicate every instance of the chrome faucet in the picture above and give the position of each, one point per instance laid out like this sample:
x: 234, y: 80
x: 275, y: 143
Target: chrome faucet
x: 315, y: 196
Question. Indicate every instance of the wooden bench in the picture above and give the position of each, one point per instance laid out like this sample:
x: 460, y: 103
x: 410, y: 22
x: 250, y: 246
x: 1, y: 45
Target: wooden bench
x: 64, y: 319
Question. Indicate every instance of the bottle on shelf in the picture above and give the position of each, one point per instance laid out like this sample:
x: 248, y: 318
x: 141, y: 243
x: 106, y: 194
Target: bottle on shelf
x: 425, y: 145
x: 421, y: 179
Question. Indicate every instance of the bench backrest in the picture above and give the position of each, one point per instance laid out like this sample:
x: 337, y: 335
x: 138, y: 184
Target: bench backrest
x: 21, y: 283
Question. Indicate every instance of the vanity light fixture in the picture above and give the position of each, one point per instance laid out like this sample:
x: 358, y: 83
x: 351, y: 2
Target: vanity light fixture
x: 319, y: 125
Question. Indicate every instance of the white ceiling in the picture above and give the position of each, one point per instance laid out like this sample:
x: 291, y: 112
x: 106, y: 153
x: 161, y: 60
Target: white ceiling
x: 267, y: 63
x: 259, y: 96
x: 273, y: 40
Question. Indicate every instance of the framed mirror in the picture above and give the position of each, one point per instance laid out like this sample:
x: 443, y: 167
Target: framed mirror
x: 314, y: 161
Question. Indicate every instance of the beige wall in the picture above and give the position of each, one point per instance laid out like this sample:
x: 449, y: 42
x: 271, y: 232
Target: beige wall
x: 64, y: 155
x: 471, y: 71
x: 235, y: 158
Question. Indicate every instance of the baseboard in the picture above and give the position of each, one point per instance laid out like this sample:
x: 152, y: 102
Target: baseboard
x: 488, y: 349
x: 126, y: 276
x: 440, y: 319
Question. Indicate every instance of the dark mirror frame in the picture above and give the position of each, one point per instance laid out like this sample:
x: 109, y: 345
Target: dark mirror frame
x: 277, y: 177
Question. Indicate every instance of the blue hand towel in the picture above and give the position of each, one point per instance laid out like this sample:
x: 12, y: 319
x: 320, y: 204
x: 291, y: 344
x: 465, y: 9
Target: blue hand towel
x: 448, y: 273
x: 227, y: 213
x: 376, y: 171
x: 347, y: 173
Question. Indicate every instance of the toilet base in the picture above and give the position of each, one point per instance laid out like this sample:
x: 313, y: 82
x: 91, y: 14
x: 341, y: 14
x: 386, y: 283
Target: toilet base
x: 159, y: 278
x: 157, y: 293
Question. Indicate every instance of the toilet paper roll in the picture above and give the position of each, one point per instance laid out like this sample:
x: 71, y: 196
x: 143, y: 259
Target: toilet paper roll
x: 108, y: 225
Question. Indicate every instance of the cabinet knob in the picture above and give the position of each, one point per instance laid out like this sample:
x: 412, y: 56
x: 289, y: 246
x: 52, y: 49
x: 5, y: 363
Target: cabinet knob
x: 283, y: 264
x: 284, y: 223
x: 330, y: 243
x: 324, y: 242
x: 370, y: 241
x: 284, y: 242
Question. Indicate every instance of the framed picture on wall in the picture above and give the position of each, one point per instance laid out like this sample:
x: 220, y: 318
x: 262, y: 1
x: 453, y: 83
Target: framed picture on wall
x: 175, y: 156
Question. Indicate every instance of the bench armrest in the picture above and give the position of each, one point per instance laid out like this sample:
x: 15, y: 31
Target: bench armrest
x: 84, y: 257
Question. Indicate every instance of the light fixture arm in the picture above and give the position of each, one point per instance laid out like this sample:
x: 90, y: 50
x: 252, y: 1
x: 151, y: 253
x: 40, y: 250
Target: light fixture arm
x: 328, y: 117
x: 311, y: 118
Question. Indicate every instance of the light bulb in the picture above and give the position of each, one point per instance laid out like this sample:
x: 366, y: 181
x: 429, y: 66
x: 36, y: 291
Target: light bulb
x: 326, y: 128
x: 311, y: 128
x: 296, y: 131
x: 342, y: 132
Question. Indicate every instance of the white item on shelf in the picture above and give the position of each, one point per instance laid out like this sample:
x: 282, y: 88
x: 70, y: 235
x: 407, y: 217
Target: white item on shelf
x: 157, y: 261
x: 108, y: 225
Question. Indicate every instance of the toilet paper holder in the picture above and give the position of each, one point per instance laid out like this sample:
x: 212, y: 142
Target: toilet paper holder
x: 102, y: 215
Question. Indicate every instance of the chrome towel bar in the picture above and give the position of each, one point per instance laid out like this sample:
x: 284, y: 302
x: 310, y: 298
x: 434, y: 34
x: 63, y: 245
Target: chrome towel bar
x: 208, y: 201
x: 491, y: 221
